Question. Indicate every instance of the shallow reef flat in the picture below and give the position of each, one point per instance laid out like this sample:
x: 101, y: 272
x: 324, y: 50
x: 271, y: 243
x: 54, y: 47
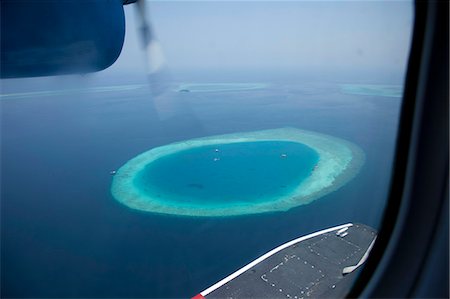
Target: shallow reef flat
x: 64, y: 92
x: 338, y: 162
x: 218, y: 87
x: 392, y: 91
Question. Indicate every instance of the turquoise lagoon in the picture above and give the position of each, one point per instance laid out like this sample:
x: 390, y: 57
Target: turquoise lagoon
x: 237, y: 174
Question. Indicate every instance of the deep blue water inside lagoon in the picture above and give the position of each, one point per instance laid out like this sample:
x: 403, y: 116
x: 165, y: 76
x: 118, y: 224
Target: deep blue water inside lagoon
x: 221, y: 174
x: 64, y: 235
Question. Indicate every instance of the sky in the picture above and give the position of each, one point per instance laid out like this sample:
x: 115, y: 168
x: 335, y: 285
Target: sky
x: 293, y: 35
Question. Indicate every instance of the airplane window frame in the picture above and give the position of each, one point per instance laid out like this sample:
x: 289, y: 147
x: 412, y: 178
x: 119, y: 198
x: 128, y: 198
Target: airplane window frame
x: 424, y: 110
x: 420, y: 103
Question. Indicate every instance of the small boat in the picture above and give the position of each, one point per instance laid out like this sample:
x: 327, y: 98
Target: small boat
x: 217, y: 150
x: 216, y: 159
x: 112, y: 172
x: 283, y: 155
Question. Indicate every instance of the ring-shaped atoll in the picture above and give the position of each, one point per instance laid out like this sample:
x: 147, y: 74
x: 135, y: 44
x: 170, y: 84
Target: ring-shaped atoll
x: 338, y: 162
x: 391, y: 91
x: 65, y: 92
x: 218, y: 87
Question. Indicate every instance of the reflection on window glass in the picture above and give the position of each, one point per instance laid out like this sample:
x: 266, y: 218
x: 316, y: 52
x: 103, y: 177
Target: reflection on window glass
x: 241, y: 126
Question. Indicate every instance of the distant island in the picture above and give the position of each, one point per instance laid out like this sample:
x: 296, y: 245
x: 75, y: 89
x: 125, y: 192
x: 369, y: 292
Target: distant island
x: 218, y: 87
x: 222, y: 175
x: 391, y: 91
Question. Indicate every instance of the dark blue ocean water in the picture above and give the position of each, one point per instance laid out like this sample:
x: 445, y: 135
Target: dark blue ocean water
x: 62, y: 233
x: 222, y: 174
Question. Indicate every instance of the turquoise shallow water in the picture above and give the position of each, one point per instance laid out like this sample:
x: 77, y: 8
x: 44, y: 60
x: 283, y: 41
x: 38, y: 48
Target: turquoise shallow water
x: 243, y: 172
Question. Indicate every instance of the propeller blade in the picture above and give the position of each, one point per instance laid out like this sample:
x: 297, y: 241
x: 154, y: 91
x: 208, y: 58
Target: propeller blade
x: 154, y: 54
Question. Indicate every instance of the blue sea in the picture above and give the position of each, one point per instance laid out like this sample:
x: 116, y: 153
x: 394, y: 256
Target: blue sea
x: 64, y: 235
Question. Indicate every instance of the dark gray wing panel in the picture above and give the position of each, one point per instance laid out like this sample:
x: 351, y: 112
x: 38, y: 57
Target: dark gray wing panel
x: 309, y: 269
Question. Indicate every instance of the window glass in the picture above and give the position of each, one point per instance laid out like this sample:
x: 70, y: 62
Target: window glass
x: 268, y: 121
